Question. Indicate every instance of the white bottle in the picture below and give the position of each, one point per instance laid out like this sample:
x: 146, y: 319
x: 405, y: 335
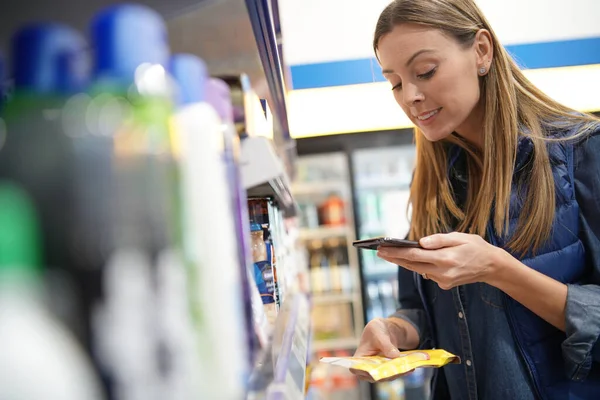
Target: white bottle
x: 210, y: 238
x: 39, y: 358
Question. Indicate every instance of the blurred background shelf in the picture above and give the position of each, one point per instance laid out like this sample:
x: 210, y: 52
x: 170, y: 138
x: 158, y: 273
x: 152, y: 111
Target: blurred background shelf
x: 319, y: 187
x: 335, y: 344
x: 333, y: 298
x: 324, y: 232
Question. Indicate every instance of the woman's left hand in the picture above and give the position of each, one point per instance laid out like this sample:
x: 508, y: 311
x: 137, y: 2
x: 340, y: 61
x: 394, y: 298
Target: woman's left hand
x: 451, y: 259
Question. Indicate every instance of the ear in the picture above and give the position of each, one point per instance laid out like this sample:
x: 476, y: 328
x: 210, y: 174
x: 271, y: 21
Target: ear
x: 484, y: 49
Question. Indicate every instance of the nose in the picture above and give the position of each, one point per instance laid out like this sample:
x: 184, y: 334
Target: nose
x: 412, y: 94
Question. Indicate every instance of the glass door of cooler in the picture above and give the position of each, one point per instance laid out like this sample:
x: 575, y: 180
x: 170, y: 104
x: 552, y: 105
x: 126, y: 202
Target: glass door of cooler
x: 381, y: 191
x: 322, y: 190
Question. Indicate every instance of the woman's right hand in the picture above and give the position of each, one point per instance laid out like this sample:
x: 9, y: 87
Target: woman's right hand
x: 384, y: 336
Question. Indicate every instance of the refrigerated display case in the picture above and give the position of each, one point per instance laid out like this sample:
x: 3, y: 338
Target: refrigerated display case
x: 381, y: 184
x: 323, y: 191
x: 379, y: 167
x: 382, y: 190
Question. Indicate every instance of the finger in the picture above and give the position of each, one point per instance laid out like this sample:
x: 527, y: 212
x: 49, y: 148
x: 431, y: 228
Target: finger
x: 410, y: 255
x: 414, y: 266
x: 389, y: 350
x: 365, y: 351
x: 441, y: 240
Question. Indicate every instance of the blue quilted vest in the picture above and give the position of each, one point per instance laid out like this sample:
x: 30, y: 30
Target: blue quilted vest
x: 561, y: 258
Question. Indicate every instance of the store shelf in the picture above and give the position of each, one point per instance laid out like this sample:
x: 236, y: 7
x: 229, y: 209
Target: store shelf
x: 319, y: 188
x: 333, y: 298
x: 335, y: 344
x: 281, y: 372
x: 264, y: 175
x: 324, y: 232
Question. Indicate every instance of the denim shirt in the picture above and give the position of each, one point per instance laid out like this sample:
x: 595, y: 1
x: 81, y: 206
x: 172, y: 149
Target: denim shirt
x: 470, y: 320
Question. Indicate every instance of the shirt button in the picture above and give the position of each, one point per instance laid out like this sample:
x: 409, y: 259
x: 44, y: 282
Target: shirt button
x: 469, y: 363
x: 461, y: 315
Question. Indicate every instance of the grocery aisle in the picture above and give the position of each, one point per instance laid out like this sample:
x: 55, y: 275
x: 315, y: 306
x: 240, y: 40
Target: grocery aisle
x: 149, y: 247
x: 180, y: 186
x: 369, y: 175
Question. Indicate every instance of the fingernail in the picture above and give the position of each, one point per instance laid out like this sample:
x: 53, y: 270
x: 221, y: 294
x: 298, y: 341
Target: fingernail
x: 426, y: 241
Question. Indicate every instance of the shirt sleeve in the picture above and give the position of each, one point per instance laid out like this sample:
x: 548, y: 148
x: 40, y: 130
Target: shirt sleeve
x: 581, y: 349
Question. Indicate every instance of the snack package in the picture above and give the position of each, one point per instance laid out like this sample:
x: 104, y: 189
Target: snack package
x: 378, y: 367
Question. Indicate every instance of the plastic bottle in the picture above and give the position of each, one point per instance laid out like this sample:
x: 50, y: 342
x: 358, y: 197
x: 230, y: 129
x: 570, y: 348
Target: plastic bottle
x: 49, y: 62
x: 39, y: 358
x: 129, y: 115
x: 211, y: 239
x: 218, y: 95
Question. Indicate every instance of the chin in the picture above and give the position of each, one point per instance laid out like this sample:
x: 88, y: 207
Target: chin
x: 435, y: 135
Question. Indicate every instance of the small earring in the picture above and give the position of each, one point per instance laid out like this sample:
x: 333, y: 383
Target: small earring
x: 482, y: 71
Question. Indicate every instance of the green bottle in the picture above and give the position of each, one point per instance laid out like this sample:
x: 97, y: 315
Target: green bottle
x: 39, y: 358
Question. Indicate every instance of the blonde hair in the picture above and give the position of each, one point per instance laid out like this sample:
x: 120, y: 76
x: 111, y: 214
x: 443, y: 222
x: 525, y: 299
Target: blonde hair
x: 512, y: 105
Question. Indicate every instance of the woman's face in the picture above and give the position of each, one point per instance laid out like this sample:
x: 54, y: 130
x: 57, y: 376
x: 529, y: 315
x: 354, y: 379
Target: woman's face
x: 435, y: 79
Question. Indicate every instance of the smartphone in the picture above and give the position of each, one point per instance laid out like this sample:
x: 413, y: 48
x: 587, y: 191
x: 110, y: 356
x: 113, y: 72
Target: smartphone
x: 374, y: 243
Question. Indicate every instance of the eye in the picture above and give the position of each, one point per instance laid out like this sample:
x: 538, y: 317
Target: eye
x: 427, y: 75
x: 397, y: 86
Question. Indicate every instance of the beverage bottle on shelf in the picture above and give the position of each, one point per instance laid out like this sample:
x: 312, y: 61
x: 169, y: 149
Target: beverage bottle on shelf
x: 325, y: 271
x: 335, y: 269
x: 189, y: 74
x: 316, y: 273
x: 39, y: 358
x: 324, y: 274
x: 346, y: 270
x: 130, y: 153
x: 37, y: 154
x: 211, y: 234
x: 333, y: 211
x: 311, y: 215
x: 219, y: 96
x: 372, y: 211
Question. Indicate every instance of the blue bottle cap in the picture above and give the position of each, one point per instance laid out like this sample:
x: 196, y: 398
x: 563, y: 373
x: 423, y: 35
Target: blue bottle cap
x: 191, y: 76
x: 254, y: 227
x: 126, y: 36
x: 49, y: 58
x: 73, y: 71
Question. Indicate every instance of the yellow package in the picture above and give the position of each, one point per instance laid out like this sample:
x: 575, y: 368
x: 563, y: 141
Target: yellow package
x: 379, y: 368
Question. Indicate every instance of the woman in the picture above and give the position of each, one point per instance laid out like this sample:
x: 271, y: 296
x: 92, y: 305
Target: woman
x: 504, y: 200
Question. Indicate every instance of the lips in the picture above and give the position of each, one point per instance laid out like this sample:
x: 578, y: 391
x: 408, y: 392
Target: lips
x: 427, y: 115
